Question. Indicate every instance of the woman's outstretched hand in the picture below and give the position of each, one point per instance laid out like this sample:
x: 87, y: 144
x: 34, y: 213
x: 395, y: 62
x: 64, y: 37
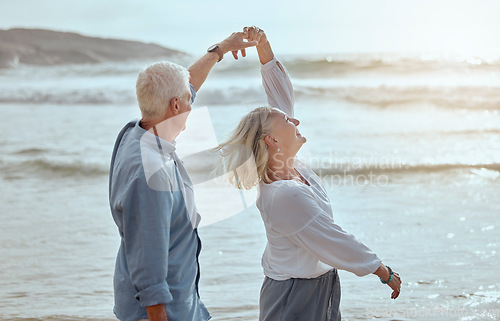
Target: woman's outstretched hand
x: 254, y: 33
x: 395, y: 284
x: 383, y: 272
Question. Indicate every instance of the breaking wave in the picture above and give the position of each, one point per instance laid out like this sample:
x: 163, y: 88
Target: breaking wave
x: 463, y: 97
x: 341, y: 169
x: 479, y: 98
x: 47, y: 168
x: 68, y: 96
x: 50, y: 169
x: 389, y: 64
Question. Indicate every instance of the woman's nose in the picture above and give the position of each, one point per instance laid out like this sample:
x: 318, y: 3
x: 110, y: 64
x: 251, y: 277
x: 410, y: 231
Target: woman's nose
x: 296, y: 122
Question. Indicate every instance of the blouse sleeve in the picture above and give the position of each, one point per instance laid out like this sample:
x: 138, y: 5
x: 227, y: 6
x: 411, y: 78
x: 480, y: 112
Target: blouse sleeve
x: 332, y: 245
x: 294, y: 213
x: 291, y: 208
x: 278, y: 86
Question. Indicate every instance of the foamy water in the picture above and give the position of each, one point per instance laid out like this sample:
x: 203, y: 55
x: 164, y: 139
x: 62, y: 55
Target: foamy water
x: 408, y: 148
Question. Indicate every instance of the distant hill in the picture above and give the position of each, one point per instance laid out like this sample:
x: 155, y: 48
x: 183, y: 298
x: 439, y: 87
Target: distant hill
x: 46, y: 47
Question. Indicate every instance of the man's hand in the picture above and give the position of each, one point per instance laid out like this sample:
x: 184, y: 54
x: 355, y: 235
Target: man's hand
x: 200, y: 69
x: 157, y: 313
x: 236, y: 41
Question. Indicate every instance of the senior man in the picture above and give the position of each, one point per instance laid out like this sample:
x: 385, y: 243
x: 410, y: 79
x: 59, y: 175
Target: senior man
x: 151, y: 196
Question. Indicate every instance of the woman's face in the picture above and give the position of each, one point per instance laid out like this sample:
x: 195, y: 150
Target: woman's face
x: 285, y: 132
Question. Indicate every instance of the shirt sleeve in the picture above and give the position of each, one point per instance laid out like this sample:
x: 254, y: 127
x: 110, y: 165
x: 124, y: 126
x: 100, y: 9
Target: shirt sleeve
x: 193, y: 92
x: 278, y: 87
x: 146, y: 226
x: 297, y: 215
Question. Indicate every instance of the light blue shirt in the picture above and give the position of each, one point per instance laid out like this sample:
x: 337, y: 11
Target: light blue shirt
x: 152, y: 203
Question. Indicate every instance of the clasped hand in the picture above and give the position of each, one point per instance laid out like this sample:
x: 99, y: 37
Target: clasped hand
x: 239, y: 41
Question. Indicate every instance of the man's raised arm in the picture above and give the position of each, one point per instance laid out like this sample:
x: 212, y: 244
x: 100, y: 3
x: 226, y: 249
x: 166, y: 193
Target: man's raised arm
x: 200, y: 69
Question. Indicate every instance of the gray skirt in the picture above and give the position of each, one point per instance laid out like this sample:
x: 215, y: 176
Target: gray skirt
x: 315, y: 299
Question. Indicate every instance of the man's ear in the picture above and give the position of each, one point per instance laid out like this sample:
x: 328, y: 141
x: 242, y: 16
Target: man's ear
x: 174, y: 105
x: 270, y: 141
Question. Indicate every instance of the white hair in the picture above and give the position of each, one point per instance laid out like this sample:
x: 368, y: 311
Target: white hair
x: 157, y: 84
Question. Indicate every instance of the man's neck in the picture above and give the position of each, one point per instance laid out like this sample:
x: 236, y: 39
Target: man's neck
x: 146, y: 125
x: 164, y: 129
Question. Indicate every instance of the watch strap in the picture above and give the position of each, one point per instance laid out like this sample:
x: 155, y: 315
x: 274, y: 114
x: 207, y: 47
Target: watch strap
x: 216, y: 48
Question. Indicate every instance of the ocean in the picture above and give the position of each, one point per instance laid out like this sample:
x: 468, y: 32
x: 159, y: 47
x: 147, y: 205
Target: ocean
x: 407, y: 146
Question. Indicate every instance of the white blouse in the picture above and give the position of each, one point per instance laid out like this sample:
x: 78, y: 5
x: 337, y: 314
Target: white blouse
x: 303, y: 240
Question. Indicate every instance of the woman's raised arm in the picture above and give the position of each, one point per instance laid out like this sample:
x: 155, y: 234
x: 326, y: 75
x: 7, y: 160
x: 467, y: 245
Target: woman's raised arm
x: 275, y: 78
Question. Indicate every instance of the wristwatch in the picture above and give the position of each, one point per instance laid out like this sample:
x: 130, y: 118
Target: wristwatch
x: 215, y: 48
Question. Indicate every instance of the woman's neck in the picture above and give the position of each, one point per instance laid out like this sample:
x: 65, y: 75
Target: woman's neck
x: 282, y: 166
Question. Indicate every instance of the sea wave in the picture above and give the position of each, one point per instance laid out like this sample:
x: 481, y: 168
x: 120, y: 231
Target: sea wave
x: 390, y: 64
x: 460, y: 97
x: 68, y: 96
x: 31, y: 151
x: 480, y: 131
x: 463, y: 97
x: 97, y: 96
x: 338, y: 65
x: 406, y: 169
x: 43, y: 167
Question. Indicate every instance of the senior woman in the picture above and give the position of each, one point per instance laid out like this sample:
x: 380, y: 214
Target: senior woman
x: 305, y: 247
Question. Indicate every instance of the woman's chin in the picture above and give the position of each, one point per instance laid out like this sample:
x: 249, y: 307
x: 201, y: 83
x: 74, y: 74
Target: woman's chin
x: 300, y: 138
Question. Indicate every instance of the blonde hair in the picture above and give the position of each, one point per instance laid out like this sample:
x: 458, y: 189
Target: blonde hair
x: 157, y: 84
x: 245, y: 155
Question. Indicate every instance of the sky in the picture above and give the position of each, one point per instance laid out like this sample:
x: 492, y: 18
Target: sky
x: 469, y: 27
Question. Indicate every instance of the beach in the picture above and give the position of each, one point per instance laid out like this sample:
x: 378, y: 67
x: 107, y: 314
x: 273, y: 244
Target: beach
x: 407, y: 146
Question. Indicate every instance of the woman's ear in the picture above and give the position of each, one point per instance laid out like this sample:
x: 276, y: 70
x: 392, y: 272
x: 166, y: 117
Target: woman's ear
x: 270, y: 141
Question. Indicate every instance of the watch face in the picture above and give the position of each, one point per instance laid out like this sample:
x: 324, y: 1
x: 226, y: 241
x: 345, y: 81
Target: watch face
x: 212, y: 48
